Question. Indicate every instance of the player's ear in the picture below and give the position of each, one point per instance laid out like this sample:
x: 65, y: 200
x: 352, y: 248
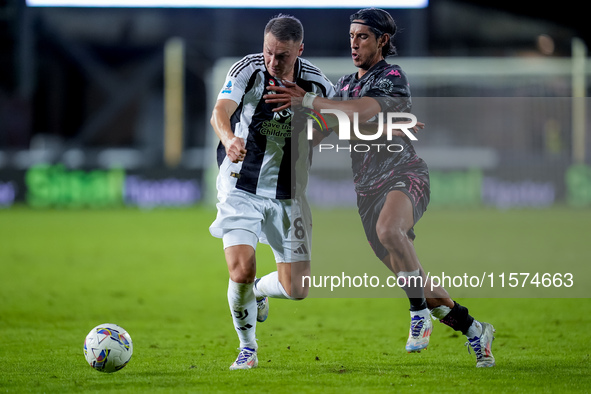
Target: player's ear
x: 384, y: 39
x: 301, y: 49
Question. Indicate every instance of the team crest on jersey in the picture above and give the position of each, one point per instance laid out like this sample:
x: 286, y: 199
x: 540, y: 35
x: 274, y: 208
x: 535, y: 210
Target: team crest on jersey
x: 385, y: 85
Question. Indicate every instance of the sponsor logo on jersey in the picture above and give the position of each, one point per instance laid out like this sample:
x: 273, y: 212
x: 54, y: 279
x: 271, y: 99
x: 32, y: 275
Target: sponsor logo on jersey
x: 279, y: 126
x: 272, y: 128
x: 396, y: 73
x: 301, y: 250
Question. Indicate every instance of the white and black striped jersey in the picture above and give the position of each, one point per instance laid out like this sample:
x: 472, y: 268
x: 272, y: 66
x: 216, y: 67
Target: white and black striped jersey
x: 274, y: 165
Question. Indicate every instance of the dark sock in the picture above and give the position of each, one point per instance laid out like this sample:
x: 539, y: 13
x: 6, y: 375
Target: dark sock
x: 417, y: 304
x: 458, y: 318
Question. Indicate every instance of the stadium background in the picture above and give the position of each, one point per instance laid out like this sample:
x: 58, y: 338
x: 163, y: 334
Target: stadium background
x: 91, y: 104
x: 87, y: 96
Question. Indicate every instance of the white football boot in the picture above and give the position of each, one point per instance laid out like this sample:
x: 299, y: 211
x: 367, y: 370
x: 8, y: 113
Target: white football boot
x: 421, y: 327
x: 262, y: 309
x: 247, y: 359
x: 482, y: 346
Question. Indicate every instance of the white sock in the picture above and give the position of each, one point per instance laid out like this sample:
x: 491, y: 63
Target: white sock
x: 269, y: 286
x: 423, y: 313
x: 475, y: 330
x: 440, y: 311
x: 243, y: 307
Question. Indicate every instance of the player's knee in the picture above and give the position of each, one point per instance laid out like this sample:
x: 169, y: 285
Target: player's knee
x: 391, y: 237
x: 240, y: 259
x: 243, y: 273
x: 296, y: 290
x: 299, y: 293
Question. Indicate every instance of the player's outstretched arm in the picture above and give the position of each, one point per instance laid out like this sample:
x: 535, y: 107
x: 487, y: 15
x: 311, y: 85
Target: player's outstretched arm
x: 220, y: 120
x: 365, y: 107
x: 292, y: 94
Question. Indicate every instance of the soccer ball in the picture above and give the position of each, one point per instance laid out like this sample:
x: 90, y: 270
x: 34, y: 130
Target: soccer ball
x: 108, y: 348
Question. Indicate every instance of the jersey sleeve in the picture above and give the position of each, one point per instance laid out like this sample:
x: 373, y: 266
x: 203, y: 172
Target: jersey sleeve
x: 330, y: 90
x: 320, y: 84
x: 392, y: 89
x: 338, y: 87
x: 237, y: 79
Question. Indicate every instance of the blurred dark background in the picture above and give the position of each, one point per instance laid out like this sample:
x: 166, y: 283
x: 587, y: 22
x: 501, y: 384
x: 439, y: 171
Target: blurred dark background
x: 84, y: 114
x: 92, y: 77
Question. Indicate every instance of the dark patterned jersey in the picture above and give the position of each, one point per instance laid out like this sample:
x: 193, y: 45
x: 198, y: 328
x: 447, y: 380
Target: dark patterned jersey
x: 373, y: 168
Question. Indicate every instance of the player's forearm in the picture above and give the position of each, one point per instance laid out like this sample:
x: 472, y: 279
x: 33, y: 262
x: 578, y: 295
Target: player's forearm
x: 365, y: 108
x: 221, y: 124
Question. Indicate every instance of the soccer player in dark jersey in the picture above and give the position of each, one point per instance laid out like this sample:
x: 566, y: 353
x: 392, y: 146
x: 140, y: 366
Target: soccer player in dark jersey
x: 392, y: 188
x: 260, y: 199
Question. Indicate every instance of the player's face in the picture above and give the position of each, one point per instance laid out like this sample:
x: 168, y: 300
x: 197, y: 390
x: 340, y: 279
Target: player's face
x: 366, y: 48
x: 280, y: 56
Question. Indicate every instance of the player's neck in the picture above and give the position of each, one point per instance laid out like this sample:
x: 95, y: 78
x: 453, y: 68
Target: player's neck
x: 362, y: 71
x: 288, y: 75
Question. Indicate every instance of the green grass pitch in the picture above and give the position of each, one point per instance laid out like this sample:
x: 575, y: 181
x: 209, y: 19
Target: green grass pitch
x: 161, y: 276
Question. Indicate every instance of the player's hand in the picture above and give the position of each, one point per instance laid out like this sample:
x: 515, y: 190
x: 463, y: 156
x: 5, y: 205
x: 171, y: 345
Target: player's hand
x: 235, y: 149
x: 415, y: 129
x: 284, y: 96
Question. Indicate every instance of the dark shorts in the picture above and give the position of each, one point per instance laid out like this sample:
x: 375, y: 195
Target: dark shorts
x: 415, y: 184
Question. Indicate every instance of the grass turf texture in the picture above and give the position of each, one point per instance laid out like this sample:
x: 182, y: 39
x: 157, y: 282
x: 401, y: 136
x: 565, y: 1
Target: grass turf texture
x: 161, y: 276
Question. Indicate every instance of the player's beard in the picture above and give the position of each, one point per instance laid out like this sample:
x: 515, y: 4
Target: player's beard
x: 364, y: 66
x: 365, y: 62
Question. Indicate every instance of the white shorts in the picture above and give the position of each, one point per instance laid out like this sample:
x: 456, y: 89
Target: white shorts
x: 285, y: 225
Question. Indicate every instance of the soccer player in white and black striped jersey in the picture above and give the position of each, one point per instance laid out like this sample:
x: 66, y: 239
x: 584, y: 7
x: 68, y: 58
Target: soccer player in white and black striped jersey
x: 392, y: 188
x: 262, y: 179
